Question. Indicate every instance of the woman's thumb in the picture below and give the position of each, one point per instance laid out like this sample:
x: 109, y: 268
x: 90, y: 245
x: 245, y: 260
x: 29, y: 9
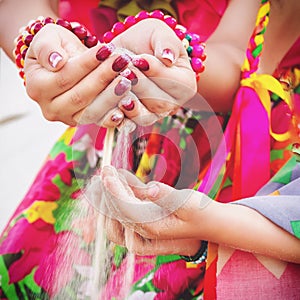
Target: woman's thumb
x: 55, y: 58
x: 47, y: 48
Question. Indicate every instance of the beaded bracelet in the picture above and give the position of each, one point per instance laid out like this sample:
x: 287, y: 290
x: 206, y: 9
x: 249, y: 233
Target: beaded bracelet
x: 200, y: 256
x: 27, y: 34
x: 191, y: 41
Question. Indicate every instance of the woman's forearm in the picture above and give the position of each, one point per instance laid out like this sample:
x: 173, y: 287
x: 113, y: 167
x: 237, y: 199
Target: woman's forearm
x: 220, y: 81
x: 225, y: 50
x: 15, y: 14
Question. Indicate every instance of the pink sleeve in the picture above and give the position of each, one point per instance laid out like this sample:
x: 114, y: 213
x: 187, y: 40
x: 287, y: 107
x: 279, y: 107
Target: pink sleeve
x: 200, y: 16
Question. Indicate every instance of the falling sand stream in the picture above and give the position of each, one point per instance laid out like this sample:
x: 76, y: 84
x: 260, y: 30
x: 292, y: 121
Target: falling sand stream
x: 93, y: 272
x: 101, y: 258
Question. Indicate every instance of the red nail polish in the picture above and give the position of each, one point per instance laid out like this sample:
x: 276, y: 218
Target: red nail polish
x: 168, y: 54
x: 122, y: 86
x: 105, y: 51
x: 127, y: 104
x: 117, y: 117
x: 121, y: 62
x: 141, y: 64
x: 127, y: 73
x: 54, y: 59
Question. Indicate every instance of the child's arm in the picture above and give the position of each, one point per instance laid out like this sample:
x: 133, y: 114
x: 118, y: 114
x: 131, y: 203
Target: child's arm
x: 164, y: 225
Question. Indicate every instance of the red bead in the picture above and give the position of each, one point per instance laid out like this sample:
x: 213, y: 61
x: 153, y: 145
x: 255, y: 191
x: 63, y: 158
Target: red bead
x: 170, y: 21
x: 21, y: 73
x: 197, y: 65
x: 19, y: 61
x: 118, y: 28
x: 23, y: 48
x: 157, y: 14
x: 28, y: 39
x: 91, y: 41
x: 23, y: 53
x: 129, y: 21
x: 64, y: 24
x: 30, y: 25
x: 36, y: 28
x: 80, y: 32
x: 180, y: 34
x: 49, y: 20
x: 108, y: 36
x: 142, y: 15
x: 20, y: 43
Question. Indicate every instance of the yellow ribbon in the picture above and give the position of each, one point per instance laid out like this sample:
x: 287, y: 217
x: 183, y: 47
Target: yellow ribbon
x: 263, y: 84
x: 262, y: 12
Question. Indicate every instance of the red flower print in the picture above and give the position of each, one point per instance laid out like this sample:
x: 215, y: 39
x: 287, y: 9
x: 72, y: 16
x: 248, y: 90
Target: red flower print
x: 175, y: 277
x: 53, y: 255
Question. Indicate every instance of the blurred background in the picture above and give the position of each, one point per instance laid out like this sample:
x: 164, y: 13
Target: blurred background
x: 25, y: 139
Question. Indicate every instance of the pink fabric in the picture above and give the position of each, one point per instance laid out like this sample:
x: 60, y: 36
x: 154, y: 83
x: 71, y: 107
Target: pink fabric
x: 292, y: 58
x: 247, y: 105
x: 252, y: 154
x: 206, y: 13
x: 103, y: 19
x: 78, y: 10
x: 99, y: 20
x: 244, y: 277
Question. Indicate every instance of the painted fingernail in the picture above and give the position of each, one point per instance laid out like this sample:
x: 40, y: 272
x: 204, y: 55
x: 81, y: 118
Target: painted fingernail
x: 168, y: 54
x: 127, y: 104
x: 141, y: 64
x: 117, y: 117
x: 54, y: 59
x: 122, y: 86
x: 127, y: 73
x: 105, y: 51
x: 121, y: 62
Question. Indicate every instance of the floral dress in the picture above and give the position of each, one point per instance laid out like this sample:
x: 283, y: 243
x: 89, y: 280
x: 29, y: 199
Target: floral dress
x: 49, y: 248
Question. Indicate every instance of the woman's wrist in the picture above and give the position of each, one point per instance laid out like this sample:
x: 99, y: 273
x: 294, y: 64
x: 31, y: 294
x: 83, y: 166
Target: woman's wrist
x: 14, y: 14
x: 28, y: 33
x: 195, y: 48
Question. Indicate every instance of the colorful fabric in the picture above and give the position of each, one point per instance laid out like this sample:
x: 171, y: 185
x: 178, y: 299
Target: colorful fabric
x: 280, y: 207
x: 47, y: 248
